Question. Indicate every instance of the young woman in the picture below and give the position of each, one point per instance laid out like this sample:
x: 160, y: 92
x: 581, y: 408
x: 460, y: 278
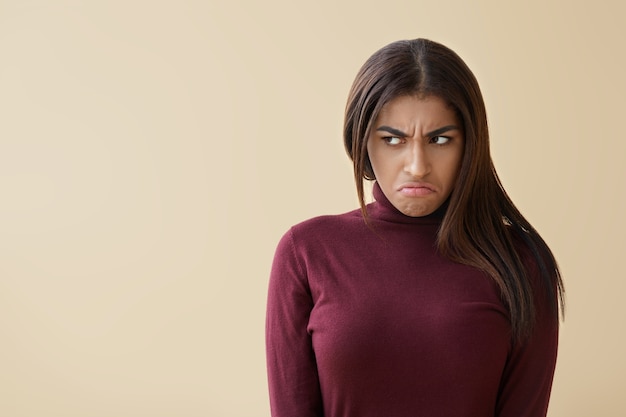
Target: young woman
x: 437, y: 299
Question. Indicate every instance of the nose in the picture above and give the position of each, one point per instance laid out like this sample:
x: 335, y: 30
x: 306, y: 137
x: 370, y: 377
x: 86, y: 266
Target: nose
x: 417, y: 163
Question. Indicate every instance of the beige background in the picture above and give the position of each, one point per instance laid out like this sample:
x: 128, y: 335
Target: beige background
x: 152, y: 153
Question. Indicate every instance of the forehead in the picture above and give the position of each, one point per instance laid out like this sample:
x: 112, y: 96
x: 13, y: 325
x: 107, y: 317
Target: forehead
x: 410, y: 109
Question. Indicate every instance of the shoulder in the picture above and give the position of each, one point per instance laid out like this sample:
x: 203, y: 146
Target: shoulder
x: 313, y: 241
x: 532, y: 251
x: 320, y: 233
x: 327, y: 226
x: 541, y: 271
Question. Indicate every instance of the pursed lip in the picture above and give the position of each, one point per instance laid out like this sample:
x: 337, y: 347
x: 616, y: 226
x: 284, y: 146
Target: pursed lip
x: 417, y: 184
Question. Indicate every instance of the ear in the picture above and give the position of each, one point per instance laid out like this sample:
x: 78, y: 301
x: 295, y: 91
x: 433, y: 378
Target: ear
x: 368, y: 171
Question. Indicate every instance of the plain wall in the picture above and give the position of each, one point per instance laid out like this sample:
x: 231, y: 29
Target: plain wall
x: 152, y: 153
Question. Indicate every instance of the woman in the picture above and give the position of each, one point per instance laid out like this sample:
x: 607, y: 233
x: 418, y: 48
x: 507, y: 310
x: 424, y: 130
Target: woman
x: 437, y: 299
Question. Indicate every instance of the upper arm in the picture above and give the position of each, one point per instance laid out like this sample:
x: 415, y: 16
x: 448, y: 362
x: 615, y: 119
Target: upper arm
x: 527, y: 377
x: 292, y: 372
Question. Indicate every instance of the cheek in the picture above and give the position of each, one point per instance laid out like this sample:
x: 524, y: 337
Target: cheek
x: 452, y: 168
x: 384, y: 166
x: 455, y: 168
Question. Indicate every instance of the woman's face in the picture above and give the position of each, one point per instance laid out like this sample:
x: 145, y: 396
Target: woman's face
x: 415, y: 149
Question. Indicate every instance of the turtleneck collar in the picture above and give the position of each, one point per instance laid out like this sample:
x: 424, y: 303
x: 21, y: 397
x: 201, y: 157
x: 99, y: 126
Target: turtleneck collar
x: 382, y: 209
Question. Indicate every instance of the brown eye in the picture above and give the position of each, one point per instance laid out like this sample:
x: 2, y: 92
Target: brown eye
x: 392, y: 140
x: 439, y: 140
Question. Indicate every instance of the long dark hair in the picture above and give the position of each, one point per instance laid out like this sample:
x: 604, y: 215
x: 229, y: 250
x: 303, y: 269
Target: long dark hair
x: 481, y: 227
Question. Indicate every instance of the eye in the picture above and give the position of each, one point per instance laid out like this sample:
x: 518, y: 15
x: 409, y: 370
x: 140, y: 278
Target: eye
x: 392, y: 140
x: 439, y: 140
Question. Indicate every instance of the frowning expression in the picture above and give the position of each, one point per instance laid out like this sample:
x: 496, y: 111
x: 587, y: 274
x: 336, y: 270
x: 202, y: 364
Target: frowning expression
x: 415, y: 148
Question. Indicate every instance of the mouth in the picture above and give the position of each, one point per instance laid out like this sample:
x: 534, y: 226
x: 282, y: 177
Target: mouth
x: 417, y: 189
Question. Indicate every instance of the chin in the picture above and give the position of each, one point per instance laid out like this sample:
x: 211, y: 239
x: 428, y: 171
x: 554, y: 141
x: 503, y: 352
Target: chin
x: 417, y: 214
x: 416, y: 211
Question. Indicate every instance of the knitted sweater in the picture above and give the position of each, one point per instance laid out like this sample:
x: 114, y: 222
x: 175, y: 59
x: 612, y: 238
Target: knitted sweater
x: 371, y: 321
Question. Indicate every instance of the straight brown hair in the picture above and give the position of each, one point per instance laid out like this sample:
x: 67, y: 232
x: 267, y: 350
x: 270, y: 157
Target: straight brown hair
x: 481, y: 227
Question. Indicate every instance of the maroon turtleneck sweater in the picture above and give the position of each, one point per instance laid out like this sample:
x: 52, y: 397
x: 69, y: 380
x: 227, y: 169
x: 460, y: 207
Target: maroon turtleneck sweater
x: 374, y: 322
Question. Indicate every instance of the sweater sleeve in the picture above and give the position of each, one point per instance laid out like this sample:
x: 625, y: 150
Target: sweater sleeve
x: 527, y: 378
x: 292, y: 372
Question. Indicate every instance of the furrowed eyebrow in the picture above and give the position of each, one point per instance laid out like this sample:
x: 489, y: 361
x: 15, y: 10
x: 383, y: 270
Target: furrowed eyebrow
x: 441, y: 130
x: 401, y: 134
x: 391, y: 130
